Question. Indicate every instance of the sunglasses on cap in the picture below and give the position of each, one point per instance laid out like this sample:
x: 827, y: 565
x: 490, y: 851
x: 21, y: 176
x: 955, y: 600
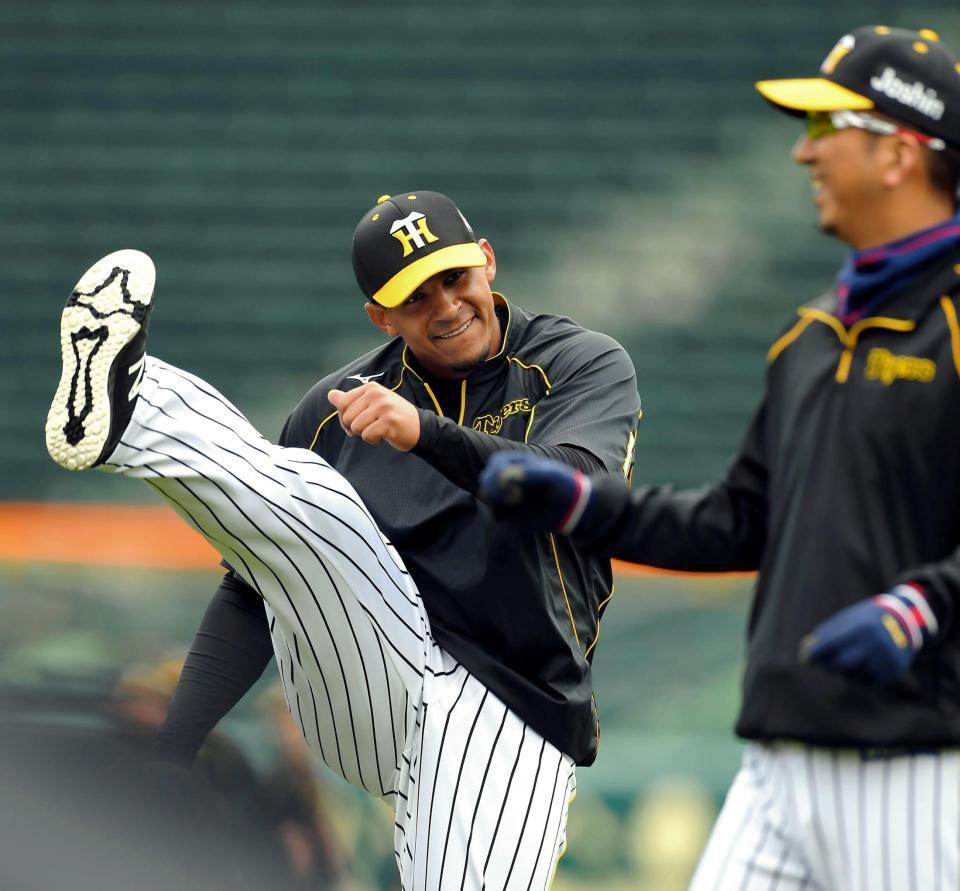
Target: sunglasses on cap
x: 826, y: 123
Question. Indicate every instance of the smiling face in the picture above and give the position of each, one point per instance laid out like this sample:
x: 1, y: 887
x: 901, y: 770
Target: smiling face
x: 449, y: 321
x: 847, y: 182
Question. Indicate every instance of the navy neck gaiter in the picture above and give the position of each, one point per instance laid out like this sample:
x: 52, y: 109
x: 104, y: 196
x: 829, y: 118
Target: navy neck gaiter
x: 871, y: 276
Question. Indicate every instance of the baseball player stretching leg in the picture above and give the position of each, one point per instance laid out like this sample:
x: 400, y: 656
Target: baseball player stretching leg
x: 334, y: 590
x: 480, y: 796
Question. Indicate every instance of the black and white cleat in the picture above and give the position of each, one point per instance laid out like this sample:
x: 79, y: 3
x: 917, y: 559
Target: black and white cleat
x: 103, y: 333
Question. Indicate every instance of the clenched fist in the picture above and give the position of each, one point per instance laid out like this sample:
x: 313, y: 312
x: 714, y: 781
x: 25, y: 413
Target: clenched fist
x: 377, y: 414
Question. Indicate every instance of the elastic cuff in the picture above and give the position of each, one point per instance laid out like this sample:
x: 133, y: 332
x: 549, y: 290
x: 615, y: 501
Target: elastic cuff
x: 600, y: 522
x: 579, y: 504
x: 920, y: 606
x: 907, y: 603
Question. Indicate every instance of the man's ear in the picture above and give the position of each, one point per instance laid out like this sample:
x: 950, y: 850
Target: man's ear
x: 490, y: 270
x: 378, y: 315
x: 905, y: 161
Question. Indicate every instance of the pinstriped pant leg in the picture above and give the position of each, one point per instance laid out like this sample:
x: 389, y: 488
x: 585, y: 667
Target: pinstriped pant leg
x: 487, y: 796
x: 876, y: 822
x: 480, y: 798
x: 904, y: 819
x: 753, y: 846
x: 350, y: 633
x: 854, y: 821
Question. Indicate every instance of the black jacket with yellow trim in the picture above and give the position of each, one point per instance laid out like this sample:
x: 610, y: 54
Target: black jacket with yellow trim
x: 847, y: 483
x: 521, y: 610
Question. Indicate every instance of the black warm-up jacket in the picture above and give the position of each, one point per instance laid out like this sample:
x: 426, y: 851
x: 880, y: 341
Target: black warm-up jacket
x: 520, y: 610
x: 847, y: 483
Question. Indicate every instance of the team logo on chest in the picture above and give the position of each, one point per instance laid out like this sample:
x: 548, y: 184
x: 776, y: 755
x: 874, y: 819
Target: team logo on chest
x: 412, y: 232
x: 884, y: 366
x: 494, y: 423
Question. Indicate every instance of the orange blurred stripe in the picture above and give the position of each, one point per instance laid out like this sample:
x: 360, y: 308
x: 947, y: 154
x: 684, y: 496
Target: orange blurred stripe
x: 622, y: 568
x: 101, y: 534
x: 147, y: 535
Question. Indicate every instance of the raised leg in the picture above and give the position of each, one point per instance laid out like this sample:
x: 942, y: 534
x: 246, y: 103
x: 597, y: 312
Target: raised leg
x: 350, y: 633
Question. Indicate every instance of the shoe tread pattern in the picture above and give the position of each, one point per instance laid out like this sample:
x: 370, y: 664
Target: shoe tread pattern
x: 105, y: 312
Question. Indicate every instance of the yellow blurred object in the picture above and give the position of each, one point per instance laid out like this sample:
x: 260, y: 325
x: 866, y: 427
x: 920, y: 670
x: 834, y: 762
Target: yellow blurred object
x: 157, y: 680
x: 669, y: 828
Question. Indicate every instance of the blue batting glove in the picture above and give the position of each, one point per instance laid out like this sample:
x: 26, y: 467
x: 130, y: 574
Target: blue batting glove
x: 535, y: 492
x: 875, y: 639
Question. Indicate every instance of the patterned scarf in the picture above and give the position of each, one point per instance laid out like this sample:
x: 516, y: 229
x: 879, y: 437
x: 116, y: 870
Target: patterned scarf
x: 871, y: 276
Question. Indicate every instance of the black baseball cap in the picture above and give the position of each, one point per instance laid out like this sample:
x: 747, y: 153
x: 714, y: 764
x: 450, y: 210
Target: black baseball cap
x: 402, y: 241
x: 909, y: 76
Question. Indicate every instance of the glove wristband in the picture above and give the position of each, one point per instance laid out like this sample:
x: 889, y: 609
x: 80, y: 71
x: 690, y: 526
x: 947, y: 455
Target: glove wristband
x: 579, y: 504
x: 908, y: 605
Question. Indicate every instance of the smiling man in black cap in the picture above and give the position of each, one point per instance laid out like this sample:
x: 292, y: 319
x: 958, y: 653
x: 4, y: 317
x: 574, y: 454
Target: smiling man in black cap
x: 453, y: 680
x: 882, y: 82
x: 845, y: 495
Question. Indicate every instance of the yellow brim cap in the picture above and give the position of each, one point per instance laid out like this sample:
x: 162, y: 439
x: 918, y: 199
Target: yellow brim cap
x: 408, y: 279
x: 811, y: 94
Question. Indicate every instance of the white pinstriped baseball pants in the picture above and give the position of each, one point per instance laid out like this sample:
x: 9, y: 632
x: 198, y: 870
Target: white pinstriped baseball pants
x: 480, y: 798
x: 800, y: 818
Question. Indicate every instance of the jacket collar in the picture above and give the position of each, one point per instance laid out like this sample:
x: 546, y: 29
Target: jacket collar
x: 910, y: 304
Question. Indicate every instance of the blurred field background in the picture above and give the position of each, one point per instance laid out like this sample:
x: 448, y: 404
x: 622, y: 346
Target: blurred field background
x: 625, y: 171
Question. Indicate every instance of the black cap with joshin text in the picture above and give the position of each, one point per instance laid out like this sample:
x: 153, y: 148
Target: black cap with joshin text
x: 404, y: 240
x: 909, y: 76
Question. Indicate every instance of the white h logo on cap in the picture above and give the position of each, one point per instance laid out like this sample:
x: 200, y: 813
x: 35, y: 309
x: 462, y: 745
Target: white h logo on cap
x: 412, y: 229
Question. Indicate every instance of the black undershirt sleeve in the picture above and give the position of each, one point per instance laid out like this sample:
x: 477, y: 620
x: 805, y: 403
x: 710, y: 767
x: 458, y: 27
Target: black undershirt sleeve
x: 717, y: 528
x: 231, y: 649
x: 460, y: 453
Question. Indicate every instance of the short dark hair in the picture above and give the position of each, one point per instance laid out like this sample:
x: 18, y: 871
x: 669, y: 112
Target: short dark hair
x: 943, y: 165
x: 943, y: 168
